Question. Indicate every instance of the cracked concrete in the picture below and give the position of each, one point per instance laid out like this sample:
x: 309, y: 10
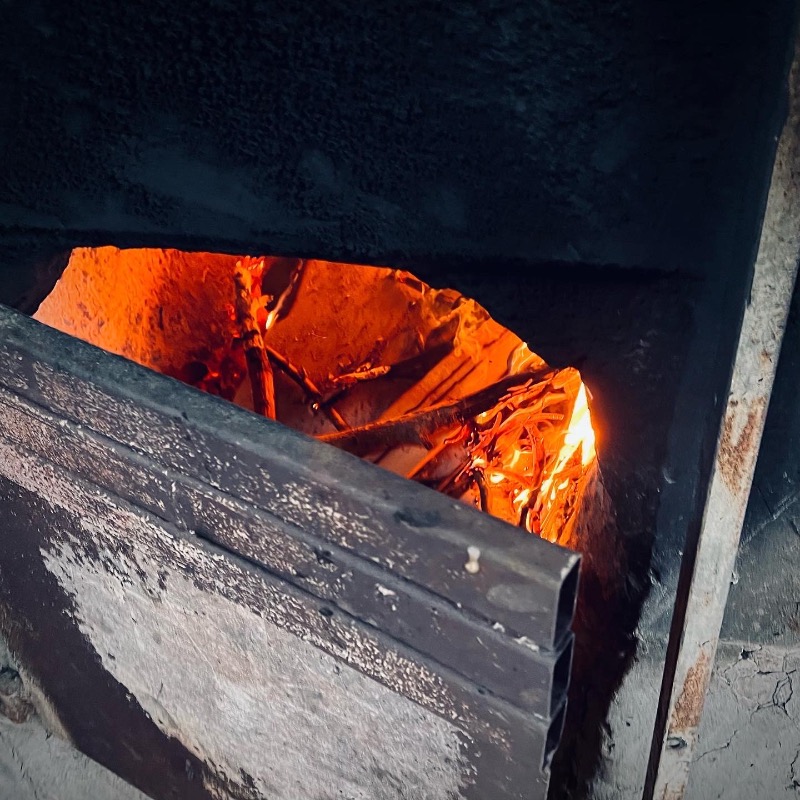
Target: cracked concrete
x: 750, y: 734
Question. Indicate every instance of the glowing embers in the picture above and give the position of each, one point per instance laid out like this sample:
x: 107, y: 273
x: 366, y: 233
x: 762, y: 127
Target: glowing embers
x: 418, y: 380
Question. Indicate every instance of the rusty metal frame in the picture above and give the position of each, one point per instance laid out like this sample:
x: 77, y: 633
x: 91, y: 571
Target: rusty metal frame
x: 738, y: 444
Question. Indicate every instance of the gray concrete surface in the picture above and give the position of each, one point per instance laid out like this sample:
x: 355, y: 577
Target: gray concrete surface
x: 36, y: 765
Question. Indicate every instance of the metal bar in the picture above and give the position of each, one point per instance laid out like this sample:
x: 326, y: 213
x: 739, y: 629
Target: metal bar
x: 738, y: 443
x: 525, y: 584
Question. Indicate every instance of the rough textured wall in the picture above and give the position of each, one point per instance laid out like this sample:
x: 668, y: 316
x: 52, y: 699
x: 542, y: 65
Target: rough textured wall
x: 615, y: 132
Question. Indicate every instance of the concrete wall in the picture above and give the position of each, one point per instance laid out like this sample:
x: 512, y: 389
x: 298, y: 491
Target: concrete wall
x: 620, y: 132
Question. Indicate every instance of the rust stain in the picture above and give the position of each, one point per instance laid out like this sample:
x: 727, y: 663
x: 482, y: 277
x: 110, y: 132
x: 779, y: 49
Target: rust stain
x: 689, y: 707
x: 736, y: 452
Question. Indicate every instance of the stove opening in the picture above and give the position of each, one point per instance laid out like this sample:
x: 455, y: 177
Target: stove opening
x: 420, y: 381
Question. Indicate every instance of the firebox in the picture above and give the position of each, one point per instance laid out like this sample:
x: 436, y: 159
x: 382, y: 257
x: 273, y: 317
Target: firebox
x: 161, y: 499
x: 362, y: 370
x: 373, y: 361
x: 329, y: 604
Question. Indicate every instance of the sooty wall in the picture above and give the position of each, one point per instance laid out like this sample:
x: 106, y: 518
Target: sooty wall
x: 616, y: 132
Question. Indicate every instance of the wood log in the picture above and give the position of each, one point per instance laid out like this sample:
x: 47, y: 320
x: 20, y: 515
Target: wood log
x: 312, y: 393
x: 259, y: 369
x: 418, y: 426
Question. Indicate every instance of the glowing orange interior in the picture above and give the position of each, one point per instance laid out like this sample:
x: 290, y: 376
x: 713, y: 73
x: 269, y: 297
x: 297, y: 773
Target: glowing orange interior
x: 420, y: 381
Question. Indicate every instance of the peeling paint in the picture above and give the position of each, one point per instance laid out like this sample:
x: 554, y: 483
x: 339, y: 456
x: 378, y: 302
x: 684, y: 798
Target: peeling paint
x: 256, y: 699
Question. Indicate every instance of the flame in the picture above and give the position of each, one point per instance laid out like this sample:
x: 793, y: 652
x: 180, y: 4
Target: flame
x: 579, y: 438
x: 580, y: 433
x: 529, y: 465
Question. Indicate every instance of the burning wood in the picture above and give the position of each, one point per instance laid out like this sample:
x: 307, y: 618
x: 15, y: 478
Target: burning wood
x: 417, y: 380
x: 419, y: 427
x: 247, y: 304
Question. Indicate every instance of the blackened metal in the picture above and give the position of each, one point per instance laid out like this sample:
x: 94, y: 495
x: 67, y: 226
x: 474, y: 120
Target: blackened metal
x: 415, y: 532
x: 519, y: 672
x: 383, y: 553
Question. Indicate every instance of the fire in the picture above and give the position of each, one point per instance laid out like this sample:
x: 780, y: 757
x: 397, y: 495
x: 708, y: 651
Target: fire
x: 418, y: 380
x: 579, y: 441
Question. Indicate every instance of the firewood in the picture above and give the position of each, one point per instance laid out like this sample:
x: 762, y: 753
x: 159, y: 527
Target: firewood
x: 259, y: 369
x: 412, y: 368
x: 312, y: 393
x: 418, y: 426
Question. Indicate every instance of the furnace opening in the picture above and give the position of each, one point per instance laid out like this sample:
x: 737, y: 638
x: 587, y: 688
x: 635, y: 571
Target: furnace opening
x: 417, y: 380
